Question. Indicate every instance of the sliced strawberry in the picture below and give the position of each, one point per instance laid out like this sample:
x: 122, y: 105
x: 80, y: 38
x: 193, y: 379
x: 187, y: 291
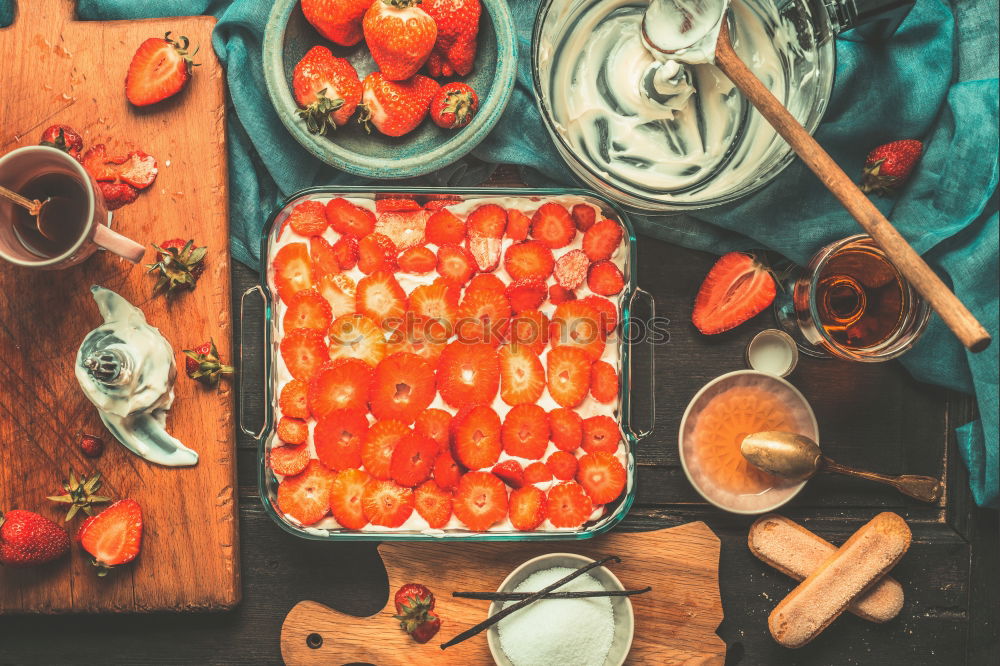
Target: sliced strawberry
x: 527, y: 508
x: 423, y: 337
x: 483, y: 316
x: 443, y: 228
x: 402, y: 387
x: 348, y: 219
x: 600, y: 433
x: 112, y: 537
x: 436, y: 302
x: 510, y: 472
x: 567, y: 429
x: 347, y: 496
x: 417, y: 260
x: 603, y: 382
x: 602, y: 476
x: 292, y: 431
x: 522, y: 377
x: 159, y: 69
x: 525, y: 432
x: 381, y: 298
x: 357, y: 336
x: 563, y: 465
x: 446, y: 471
x: 518, y: 225
x: 341, y: 384
x: 552, y: 225
x: 307, y: 309
x: 480, y: 501
x: 117, y: 195
x: 306, y: 496
x: 337, y: 438
x: 376, y: 252
x: 537, y: 472
x: 486, y: 282
x: 405, y: 229
x: 433, y: 504
x: 339, y: 291
x: 395, y: 204
x: 413, y: 460
x: 292, y: 270
x: 303, y: 351
x: 455, y: 264
x: 468, y: 374
x: 386, y: 503
x: 529, y: 259
x: 571, y: 269
x: 606, y: 310
x: 308, y: 218
x: 584, y: 216
x: 601, y: 240
x: 436, y: 424
x: 576, y: 324
x: 605, y: 278
x: 559, y: 295
x: 529, y: 328
x: 477, y: 437
x: 288, y: 460
x: 439, y: 204
x: 379, y: 443
x: 568, y: 505
x: 737, y: 288
x: 346, y: 252
x: 485, y: 227
x: 568, y: 374
x: 292, y: 401
x: 324, y: 258
x: 526, y: 294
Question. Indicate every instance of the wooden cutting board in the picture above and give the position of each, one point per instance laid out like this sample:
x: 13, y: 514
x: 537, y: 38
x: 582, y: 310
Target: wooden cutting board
x: 674, y: 624
x: 60, y: 70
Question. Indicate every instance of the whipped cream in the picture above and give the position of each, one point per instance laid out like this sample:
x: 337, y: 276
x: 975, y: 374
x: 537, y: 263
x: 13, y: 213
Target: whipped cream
x: 687, y: 29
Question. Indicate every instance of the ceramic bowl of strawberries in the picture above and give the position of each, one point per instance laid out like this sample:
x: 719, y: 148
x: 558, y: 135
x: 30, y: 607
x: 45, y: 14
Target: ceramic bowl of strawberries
x: 389, y: 88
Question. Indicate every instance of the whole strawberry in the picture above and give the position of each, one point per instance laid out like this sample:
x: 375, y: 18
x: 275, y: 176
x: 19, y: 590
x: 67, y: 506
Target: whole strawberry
x: 326, y: 88
x: 91, y: 445
x: 458, y: 26
x: 63, y: 137
x: 27, y: 539
x: 178, y: 265
x: 395, y: 107
x: 888, y: 166
x: 400, y: 37
x: 203, y: 364
x: 414, y: 603
x: 337, y: 20
x: 454, y: 105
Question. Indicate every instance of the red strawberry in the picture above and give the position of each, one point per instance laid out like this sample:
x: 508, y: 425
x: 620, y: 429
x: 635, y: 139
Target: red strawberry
x: 91, y: 446
x: 480, y: 501
x: 522, y: 378
x: 357, y: 336
x: 530, y: 328
x: 417, y: 260
x: 292, y: 431
x: 293, y: 401
x: 379, y: 443
x: 324, y: 259
x: 562, y: 464
x: 510, y: 472
x: 568, y: 505
x: 303, y: 351
x: 567, y: 428
x: 27, y: 539
x: 427, y: 629
x: 603, y: 382
x: 159, y: 69
x: 395, y: 204
x: 434, y: 423
x: 525, y: 432
x: 179, y: 264
x: 529, y: 259
x: 346, y: 252
x: 422, y: 337
x: 337, y: 438
x: 455, y: 264
x: 443, y: 228
x: 571, y: 269
x: 306, y: 496
x: 537, y: 472
x: 468, y: 374
x: 337, y: 20
x: 413, y: 601
x: 400, y: 36
x: 527, y: 508
x: 601, y: 240
x: 381, y: 298
x: 376, y: 252
x: 518, y: 225
x: 395, y: 108
x: 737, y: 288
x: 114, y: 536
x: 568, y: 374
x: 888, y: 166
x: 477, y: 437
x: 340, y: 384
x: 483, y: 316
x: 606, y: 310
x: 454, y: 105
x: 288, y: 460
x: 348, y: 219
x: 117, y: 195
x: 458, y: 25
x: 137, y: 169
x: 559, y: 295
x: 438, y: 204
x: 605, y: 278
x: 577, y: 324
x: 308, y: 219
x: 486, y: 282
x: 602, y: 476
x: 446, y: 471
x: 485, y: 228
x: 339, y: 291
x: 552, y: 226
x: 584, y: 216
x: 413, y: 459
x: 307, y: 309
x: 402, y: 387
x: 404, y: 228
x: 600, y: 433
x: 412, y: 598
x: 64, y: 138
x: 387, y: 503
x: 436, y: 302
x: 203, y: 364
x: 433, y: 504
x: 526, y: 294
x: 347, y: 496
x: 292, y: 270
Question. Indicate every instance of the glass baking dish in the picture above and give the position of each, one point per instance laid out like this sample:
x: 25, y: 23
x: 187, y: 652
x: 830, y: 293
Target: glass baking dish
x: 626, y: 301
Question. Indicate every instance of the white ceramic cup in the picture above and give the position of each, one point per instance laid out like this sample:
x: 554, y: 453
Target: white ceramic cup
x: 20, y: 166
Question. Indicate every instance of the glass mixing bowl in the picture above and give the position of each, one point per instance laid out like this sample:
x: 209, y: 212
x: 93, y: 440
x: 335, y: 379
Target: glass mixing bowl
x: 624, y: 159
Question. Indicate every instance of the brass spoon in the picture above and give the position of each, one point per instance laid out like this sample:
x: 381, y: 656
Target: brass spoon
x: 34, y: 207
x: 797, y: 458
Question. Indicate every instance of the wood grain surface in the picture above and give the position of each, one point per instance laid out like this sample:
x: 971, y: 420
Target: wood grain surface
x: 59, y: 70
x: 674, y: 624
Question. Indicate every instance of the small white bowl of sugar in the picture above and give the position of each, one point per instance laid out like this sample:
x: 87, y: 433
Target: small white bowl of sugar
x: 592, y: 631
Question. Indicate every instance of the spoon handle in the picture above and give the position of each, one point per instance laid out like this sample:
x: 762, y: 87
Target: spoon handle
x: 32, y: 206
x: 923, y: 488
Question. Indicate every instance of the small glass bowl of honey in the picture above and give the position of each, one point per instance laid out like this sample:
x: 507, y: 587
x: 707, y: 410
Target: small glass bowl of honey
x: 720, y: 415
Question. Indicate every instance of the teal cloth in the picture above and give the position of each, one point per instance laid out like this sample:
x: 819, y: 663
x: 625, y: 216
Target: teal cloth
x: 936, y: 80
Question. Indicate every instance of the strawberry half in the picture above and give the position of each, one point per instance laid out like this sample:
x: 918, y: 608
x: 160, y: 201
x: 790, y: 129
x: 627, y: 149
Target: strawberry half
x: 605, y: 278
x: 602, y: 240
x: 379, y: 443
x: 292, y: 270
x: 443, y: 228
x: 602, y: 476
x: 413, y: 459
x: 600, y: 433
x: 288, y: 460
x: 307, y: 309
x: 357, y: 336
x: 527, y: 508
x: 530, y: 328
x: 436, y: 424
x: 603, y: 382
x: 376, y: 252
x: 568, y: 375
x: 436, y: 302
x: 387, y: 504
x: 293, y: 401
x: 417, y: 260
x: 349, y: 220
x: 304, y: 351
x: 477, y: 441
x: 518, y: 225
x: 341, y: 384
x: 480, y: 501
x: 552, y: 225
x: 446, y: 471
x: 522, y: 377
x: 159, y: 69
x: 114, y: 536
x: 405, y: 228
x: 402, y: 387
x: 292, y: 431
x: 584, y: 216
x: 571, y: 269
x: 483, y: 316
x: 339, y: 291
x: 526, y: 294
x: 381, y: 298
x: 308, y: 219
x: 562, y: 464
x: 306, y: 496
x: 468, y: 374
x: 338, y: 436
x: 433, y: 503
x: 577, y: 324
x: 455, y: 264
x: 525, y: 432
x: 737, y: 288
x: 568, y: 505
x: 510, y: 472
x: 537, y: 472
x: 529, y: 259
x: 485, y: 227
x: 347, y: 496
x: 567, y: 428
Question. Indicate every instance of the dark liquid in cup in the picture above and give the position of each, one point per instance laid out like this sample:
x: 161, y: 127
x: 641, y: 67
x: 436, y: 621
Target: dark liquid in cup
x: 860, y: 298
x: 63, y: 218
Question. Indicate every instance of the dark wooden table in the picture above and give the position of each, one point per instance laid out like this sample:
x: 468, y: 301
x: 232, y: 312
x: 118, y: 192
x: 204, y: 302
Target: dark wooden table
x: 873, y: 416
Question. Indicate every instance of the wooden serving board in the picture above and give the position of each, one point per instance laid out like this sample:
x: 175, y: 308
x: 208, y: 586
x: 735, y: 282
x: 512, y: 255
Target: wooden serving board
x: 675, y: 623
x: 60, y: 70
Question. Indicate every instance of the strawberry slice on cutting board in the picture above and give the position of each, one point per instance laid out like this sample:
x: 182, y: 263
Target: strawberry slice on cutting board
x: 737, y: 288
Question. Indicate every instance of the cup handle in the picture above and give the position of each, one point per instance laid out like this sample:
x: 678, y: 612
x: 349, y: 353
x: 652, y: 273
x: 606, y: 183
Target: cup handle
x: 112, y: 241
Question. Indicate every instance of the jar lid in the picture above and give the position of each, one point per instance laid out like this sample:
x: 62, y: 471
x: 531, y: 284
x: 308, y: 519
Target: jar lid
x: 774, y: 352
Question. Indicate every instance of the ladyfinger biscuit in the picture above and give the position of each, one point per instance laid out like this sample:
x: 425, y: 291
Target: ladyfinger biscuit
x: 839, y: 580
x: 797, y: 552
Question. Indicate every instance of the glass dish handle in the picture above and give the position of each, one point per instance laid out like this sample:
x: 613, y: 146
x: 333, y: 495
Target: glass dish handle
x: 648, y: 336
x: 266, y: 421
